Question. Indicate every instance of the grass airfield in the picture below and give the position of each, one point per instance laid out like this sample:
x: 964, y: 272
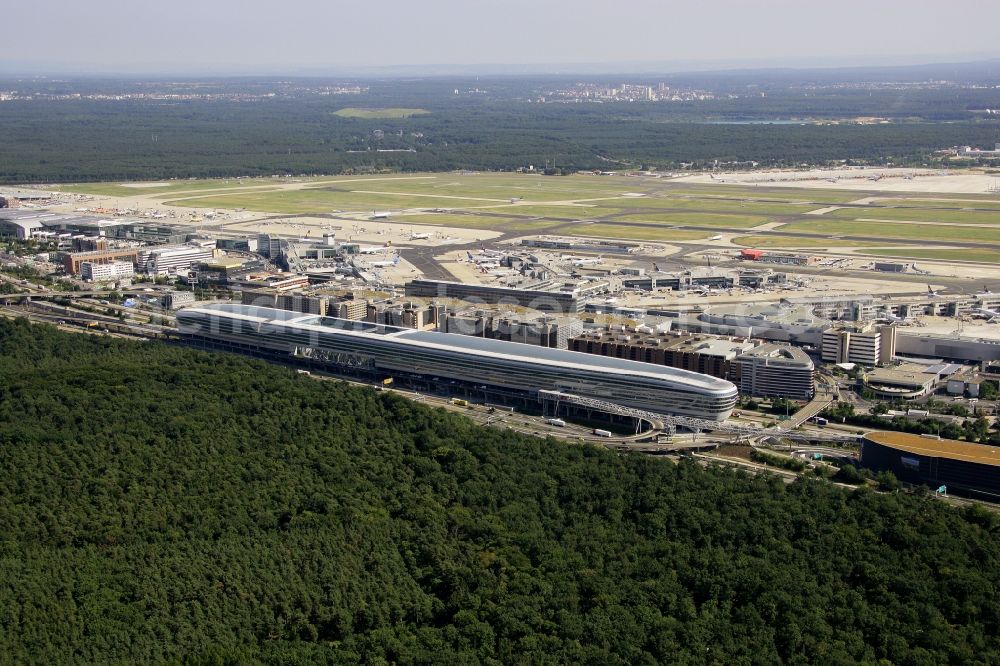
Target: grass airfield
x: 918, y: 224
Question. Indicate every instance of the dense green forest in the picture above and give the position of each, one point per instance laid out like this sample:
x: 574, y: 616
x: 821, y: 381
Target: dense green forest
x: 160, y: 504
x: 81, y: 139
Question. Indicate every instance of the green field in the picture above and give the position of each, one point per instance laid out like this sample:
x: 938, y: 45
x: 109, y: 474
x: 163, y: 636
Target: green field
x: 915, y: 214
x: 883, y: 230
x: 502, y: 187
x: 955, y: 201
x: 300, y: 202
x: 449, y: 191
x: 490, y: 222
x: 985, y: 256
x: 587, y: 212
x: 556, y: 200
x: 635, y: 233
x: 700, y: 219
x: 818, y: 198
x: 799, y: 242
x: 716, y: 205
x: 379, y: 114
x: 173, y: 187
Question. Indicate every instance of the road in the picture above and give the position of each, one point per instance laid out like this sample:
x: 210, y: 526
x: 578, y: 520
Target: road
x: 820, y: 401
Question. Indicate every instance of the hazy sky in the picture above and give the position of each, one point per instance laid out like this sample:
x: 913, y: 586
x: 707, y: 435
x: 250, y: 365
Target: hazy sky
x: 315, y: 35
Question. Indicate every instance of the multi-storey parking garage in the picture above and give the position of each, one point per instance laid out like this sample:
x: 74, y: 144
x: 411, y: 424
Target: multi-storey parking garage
x: 503, y: 365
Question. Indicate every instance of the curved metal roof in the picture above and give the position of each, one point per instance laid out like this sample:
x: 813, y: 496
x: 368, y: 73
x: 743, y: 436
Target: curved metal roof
x: 937, y: 448
x: 513, y: 351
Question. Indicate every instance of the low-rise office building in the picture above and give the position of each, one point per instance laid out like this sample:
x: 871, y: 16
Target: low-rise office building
x: 552, y: 332
x: 699, y: 353
x: 292, y: 302
x: 72, y: 261
x: 901, y: 382
x: 172, y: 300
x: 349, y: 308
x: 402, y: 315
x: 237, y: 244
x: 273, y: 280
x: 109, y: 272
x: 172, y: 259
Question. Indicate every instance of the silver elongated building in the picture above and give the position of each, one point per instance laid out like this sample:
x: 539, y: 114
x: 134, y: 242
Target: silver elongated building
x: 495, y: 363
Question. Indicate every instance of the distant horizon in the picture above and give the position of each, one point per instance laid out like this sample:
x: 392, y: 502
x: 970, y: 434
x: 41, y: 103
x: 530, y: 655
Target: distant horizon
x: 608, y: 68
x: 310, y: 37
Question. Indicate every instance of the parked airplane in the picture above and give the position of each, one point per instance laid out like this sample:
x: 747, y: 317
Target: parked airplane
x: 983, y: 313
x: 372, y: 249
x: 587, y: 262
x: 385, y: 264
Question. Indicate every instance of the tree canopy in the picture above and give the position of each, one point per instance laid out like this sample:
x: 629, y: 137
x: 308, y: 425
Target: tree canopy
x: 162, y: 504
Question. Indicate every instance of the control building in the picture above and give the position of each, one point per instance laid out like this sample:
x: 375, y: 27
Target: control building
x: 269, y: 246
x: 492, y: 365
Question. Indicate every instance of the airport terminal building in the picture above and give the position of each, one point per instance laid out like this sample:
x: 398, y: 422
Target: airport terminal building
x: 385, y: 351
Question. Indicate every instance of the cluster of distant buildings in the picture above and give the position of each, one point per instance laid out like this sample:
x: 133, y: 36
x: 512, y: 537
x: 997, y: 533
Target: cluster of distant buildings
x: 973, y: 152
x: 103, y: 250
x: 626, y: 92
x: 172, y: 94
x: 113, y: 250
